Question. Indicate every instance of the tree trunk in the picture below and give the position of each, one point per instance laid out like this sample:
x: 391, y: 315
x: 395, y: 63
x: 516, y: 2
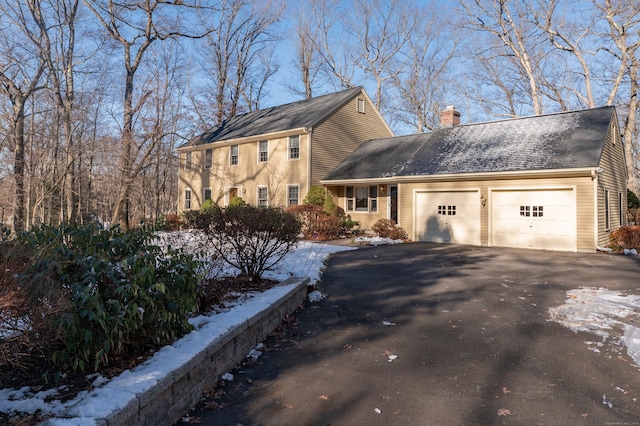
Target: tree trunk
x: 18, y: 165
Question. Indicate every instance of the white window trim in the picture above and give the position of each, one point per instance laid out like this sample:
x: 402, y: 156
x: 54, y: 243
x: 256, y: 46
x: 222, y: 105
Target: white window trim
x: 620, y: 208
x: 288, y: 199
x: 259, y: 152
x: 189, y: 198
x: 207, y: 164
x: 266, y: 190
x: 188, y: 161
x: 360, y: 105
x: 204, y: 191
x: 231, y: 155
x: 607, y: 211
x: 289, y: 148
x: 369, y: 209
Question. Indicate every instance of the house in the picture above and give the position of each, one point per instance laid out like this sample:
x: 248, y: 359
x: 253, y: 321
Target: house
x: 272, y: 156
x: 555, y: 182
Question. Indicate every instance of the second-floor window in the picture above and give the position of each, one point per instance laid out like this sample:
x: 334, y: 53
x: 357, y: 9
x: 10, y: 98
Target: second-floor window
x: 208, y: 158
x: 233, y: 155
x: 263, y: 151
x: 188, y: 158
x: 294, y: 147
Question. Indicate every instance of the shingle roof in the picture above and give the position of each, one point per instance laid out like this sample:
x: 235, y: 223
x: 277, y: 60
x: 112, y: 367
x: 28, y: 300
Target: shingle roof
x: 305, y: 113
x: 556, y: 141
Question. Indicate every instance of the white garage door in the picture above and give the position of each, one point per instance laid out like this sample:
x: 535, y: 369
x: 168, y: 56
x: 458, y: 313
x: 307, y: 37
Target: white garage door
x: 540, y: 219
x: 448, y: 217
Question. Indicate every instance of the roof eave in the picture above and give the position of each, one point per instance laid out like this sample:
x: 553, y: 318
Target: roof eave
x: 227, y: 142
x: 515, y: 174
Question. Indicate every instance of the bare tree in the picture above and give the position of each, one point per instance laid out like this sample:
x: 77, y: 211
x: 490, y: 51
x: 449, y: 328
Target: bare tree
x: 422, y: 84
x: 516, y: 38
x: 58, y: 52
x: 237, y: 59
x: 135, y: 27
x: 20, y: 74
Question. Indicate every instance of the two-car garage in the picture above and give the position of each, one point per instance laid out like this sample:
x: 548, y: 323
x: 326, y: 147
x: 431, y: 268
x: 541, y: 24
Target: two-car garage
x: 526, y: 218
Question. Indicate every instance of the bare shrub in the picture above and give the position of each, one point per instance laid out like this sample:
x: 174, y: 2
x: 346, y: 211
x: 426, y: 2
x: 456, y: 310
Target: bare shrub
x: 627, y: 237
x: 386, y: 228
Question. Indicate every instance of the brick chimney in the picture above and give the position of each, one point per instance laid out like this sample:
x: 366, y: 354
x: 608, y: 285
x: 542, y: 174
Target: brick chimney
x: 449, y: 117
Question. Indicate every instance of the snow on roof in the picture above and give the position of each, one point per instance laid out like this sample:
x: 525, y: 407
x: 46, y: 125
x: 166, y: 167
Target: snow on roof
x: 555, y: 141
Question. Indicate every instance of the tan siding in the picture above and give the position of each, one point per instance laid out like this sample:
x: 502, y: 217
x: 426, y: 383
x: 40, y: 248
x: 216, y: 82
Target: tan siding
x: 365, y: 219
x: 614, y: 178
x: 248, y: 174
x: 341, y: 133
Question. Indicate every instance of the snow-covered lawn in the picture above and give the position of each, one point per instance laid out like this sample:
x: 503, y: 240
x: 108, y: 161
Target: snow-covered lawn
x: 307, y: 260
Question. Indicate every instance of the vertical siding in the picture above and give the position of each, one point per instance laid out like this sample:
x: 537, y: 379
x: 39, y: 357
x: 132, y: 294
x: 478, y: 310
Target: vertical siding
x: 341, y: 133
x: 614, y: 179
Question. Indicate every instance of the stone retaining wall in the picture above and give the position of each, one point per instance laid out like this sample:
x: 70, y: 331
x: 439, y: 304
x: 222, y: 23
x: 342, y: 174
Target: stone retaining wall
x: 180, y: 391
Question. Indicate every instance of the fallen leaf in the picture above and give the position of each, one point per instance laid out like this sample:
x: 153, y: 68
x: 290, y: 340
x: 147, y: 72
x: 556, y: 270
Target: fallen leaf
x: 505, y: 390
x: 325, y: 397
x: 585, y: 414
x: 504, y: 412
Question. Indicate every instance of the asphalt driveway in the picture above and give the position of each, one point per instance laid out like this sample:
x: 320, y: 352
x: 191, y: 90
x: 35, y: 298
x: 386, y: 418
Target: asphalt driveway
x: 427, y: 334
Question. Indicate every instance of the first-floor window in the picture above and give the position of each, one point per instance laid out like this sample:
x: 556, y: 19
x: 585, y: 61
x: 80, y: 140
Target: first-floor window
x: 206, y: 195
x: 607, y: 213
x: 293, y: 195
x: 187, y: 199
x: 263, y: 199
x: 362, y: 198
x: 620, y: 208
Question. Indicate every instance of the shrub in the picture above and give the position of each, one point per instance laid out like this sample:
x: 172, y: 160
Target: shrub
x: 236, y: 201
x: 632, y: 200
x: 208, y: 206
x: 123, y: 292
x: 386, y: 228
x: 169, y: 222
x: 626, y: 237
x: 315, y: 195
x: 252, y: 238
x: 315, y: 222
x: 347, y: 226
x: 329, y: 207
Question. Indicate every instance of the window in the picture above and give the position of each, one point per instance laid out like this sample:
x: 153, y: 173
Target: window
x: 293, y: 194
x: 360, y: 105
x: 620, y: 209
x: 233, y: 155
x: 362, y: 198
x: 208, y: 158
x: 187, y: 199
x: 294, y: 147
x: 263, y: 199
x: 187, y: 160
x: 206, y: 194
x: 531, y: 211
x: 447, y: 210
x: 263, y: 151
x: 607, y: 213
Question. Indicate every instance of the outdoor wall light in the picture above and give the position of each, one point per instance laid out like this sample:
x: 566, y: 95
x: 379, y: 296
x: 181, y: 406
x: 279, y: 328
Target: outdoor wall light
x: 483, y: 200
